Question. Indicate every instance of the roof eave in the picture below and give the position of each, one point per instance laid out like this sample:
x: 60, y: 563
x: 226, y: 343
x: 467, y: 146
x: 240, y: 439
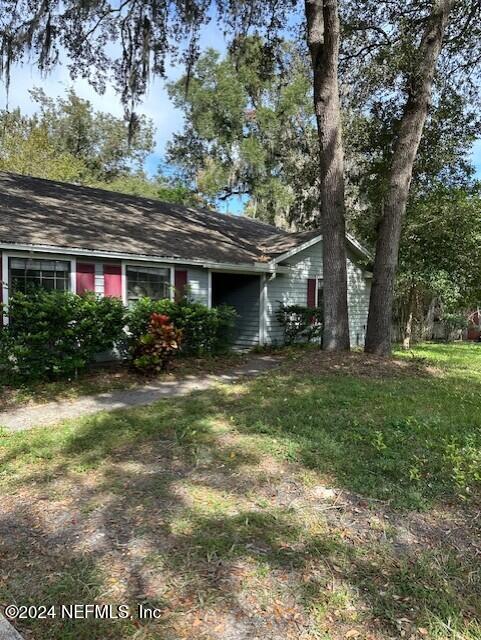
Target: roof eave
x: 353, y: 243
x: 252, y: 267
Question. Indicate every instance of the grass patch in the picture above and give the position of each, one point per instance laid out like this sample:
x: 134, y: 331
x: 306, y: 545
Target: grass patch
x: 337, y: 495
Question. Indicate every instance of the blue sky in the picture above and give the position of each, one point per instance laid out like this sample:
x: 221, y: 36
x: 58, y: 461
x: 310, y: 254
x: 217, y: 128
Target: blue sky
x: 156, y: 104
x: 477, y: 157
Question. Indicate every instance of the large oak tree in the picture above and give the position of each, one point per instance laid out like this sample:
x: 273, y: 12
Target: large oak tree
x: 404, y: 58
x: 378, y: 337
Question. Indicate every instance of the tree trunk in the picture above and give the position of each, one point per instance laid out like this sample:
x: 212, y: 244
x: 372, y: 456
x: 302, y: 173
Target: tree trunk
x: 378, y: 337
x: 323, y: 40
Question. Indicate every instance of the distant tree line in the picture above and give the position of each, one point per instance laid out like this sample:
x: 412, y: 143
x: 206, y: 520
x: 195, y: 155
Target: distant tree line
x: 67, y: 140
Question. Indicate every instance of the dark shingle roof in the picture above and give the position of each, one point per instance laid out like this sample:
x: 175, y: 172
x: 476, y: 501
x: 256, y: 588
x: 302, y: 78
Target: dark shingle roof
x: 284, y: 242
x: 43, y: 212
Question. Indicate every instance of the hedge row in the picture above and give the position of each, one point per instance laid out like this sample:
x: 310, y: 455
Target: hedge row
x: 53, y: 334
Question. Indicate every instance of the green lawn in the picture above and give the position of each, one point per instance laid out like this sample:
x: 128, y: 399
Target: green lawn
x: 337, y: 497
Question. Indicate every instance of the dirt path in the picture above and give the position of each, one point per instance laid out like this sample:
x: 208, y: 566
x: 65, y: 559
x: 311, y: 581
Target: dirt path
x: 42, y: 415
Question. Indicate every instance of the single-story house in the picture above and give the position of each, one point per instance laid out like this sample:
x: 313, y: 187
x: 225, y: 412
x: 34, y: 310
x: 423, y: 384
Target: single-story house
x: 70, y: 237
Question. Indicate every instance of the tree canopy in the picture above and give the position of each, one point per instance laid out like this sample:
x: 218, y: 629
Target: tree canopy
x: 249, y: 130
x: 67, y: 140
x: 25, y: 147
x: 124, y: 42
x: 440, y: 248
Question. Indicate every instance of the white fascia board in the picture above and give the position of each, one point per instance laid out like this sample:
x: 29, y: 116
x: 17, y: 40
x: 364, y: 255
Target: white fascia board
x: 257, y: 267
x: 309, y: 243
x: 356, y: 245
x: 292, y: 252
x: 242, y: 268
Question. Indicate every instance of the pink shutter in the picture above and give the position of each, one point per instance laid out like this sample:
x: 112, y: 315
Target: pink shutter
x: 180, y: 282
x: 113, y: 280
x: 1, y: 284
x: 85, y: 277
x: 311, y: 292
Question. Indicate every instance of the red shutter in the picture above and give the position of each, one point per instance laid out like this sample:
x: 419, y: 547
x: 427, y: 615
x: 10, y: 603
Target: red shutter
x: 311, y: 292
x: 113, y: 280
x: 180, y: 283
x: 85, y: 277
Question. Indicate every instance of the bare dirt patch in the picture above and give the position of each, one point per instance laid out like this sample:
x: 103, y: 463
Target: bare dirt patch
x: 319, y: 363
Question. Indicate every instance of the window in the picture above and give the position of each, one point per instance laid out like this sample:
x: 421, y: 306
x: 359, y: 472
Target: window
x: 26, y: 273
x: 147, y: 282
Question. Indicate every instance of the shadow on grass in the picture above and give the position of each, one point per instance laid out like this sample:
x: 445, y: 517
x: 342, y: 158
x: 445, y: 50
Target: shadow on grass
x: 158, y: 505
x: 407, y: 441
x: 265, y: 568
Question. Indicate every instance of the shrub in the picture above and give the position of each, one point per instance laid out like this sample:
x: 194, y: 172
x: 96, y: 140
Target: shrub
x: 54, y: 333
x: 156, y: 348
x: 455, y: 321
x: 300, y: 323
x: 204, y: 331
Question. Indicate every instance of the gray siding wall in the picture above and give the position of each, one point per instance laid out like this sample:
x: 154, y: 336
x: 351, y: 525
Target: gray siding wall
x: 358, y: 292
x: 292, y: 289
x: 247, y: 302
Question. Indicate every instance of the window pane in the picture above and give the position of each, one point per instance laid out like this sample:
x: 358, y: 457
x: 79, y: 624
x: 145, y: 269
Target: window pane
x: 147, y: 282
x: 17, y: 263
x: 26, y: 273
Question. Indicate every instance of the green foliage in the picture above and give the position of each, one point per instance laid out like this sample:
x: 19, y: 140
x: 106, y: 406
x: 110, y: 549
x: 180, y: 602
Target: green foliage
x: 53, y: 334
x: 204, y: 331
x: 300, y: 323
x: 156, y: 349
x: 249, y: 130
x: 100, y: 140
x: 157, y: 188
x: 455, y: 321
x: 26, y: 148
x: 439, y: 255
x: 442, y: 236
x: 67, y: 140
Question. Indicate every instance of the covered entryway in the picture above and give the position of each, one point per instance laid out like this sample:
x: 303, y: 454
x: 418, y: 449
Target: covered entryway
x: 241, y: 291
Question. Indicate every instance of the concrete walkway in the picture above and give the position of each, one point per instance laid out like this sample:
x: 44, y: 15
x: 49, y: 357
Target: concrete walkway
x: 43, y: 415
x: 7, y: 632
